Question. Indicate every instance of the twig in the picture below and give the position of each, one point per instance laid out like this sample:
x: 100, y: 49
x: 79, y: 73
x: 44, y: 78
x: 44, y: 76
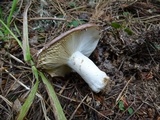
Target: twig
x: 27, y: 88
x: 119, y: 96
x: 47, y: 18
x: 6, y: 100
x: 38, y: 95
x: 60, y: 8
x: 62, y: 89
x: 44, y: 109
x: 77, y: 107
x: 145, y: 19
x: 15, y: 58
x: 136, y: 109
x: 86, y: 105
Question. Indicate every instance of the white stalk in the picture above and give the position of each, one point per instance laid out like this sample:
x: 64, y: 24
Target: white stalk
x: 95, y: 78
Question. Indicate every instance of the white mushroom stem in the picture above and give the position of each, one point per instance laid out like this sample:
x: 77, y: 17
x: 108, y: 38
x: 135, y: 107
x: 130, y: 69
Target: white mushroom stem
x: 95, y: 78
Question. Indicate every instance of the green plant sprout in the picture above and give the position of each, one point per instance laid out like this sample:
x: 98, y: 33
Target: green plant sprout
x: 13, y: 8
x: 75, y: 23
x: 122, y: 107
x: 119, y: 26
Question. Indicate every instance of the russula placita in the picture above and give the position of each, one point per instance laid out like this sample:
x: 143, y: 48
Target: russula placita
x: 71, y: 51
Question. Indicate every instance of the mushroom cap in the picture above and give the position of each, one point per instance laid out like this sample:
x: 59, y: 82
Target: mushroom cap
x: 53, y: 56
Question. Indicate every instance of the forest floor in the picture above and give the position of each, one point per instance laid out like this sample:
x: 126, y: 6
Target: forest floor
x: 128, y: 51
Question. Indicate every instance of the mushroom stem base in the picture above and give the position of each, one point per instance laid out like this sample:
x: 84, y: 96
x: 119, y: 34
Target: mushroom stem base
x: 94, y: 77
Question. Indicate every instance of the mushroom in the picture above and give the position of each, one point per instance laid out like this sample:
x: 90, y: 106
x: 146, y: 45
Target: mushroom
x: 71, y: 51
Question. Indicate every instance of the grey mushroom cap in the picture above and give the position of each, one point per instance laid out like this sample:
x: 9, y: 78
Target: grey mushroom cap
x: 53, y: 56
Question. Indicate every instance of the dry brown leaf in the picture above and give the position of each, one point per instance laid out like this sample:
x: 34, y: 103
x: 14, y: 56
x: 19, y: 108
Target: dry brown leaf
x: 17, y: 105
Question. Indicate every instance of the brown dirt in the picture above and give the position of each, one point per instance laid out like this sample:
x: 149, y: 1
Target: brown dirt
x: 130, y: 57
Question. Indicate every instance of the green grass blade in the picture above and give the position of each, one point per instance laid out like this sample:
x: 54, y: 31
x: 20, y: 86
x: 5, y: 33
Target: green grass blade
x: 26, y: 49
x: 35, y: 71
x: 11, y: 12
x: 17, y: 29
x: 1, y: 13
x: 19, y: 42
x: 58, y: 111
x: 28, y: 102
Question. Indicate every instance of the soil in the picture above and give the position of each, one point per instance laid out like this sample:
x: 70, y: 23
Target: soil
x: 128, y: 51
